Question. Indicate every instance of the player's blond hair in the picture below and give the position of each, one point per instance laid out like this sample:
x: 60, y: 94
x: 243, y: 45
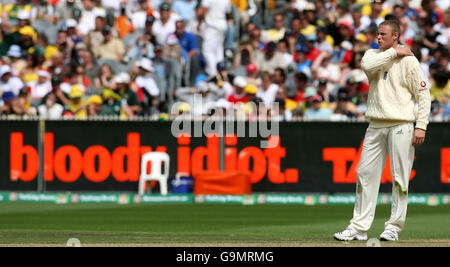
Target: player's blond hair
x: 393, y: 24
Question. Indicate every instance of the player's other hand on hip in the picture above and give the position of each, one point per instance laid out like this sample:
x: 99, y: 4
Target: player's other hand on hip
x: 403, y: 51
x: 419, y: 137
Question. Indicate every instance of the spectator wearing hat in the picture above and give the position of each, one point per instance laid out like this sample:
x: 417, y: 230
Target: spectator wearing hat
x: 165, y: 24
x: 310, y: 92
x: 11, y: 10
x: 352, y: 85
x: 77, y: 104
x: 15, y: 56
x: 252, y: 107
x: 268, y: 89
x: 253, y: 75
x: 302, y: 63
x: 40, y: 88
x: 48, y: 49
x: 94, y: 105
x: 129, y: 98
x: 10, y: 105
x: 111, y: 47
x: 238, y: 95
x: 23, y: 18
x: 271, y: 60
x: 310, y: 13
x: 50, y: 109
x: 28, y: 37
x: 252, y: 94
x: 344, y: 32
x: 324, y: 92
x: 343, y: 106
x: 74, y: 78
x: 317, y: 111
x: 8, y: 82
x: 172, y: 49
x: 34, y: 61
x: 24, y: 103
x: 145, y: 85
x: 214, y: 13
x: 112, y: 103
x: 313, y: 51
x: 343, y: 12
x: 222, y: 80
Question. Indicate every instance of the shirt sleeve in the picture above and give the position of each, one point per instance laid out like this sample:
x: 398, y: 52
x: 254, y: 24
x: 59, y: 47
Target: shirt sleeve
x: 420, y: 89
x: 373, y: 61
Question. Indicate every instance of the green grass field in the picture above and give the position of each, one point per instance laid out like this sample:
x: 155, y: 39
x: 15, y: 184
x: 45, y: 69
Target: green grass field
x: 206, y: 225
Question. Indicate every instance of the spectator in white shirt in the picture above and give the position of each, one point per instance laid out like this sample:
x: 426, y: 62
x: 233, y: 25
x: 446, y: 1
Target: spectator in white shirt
x: 268, y: 90
x: 41, y: 87
x: 165, y: 24
x: 50, y: 109
x: 9, y: 83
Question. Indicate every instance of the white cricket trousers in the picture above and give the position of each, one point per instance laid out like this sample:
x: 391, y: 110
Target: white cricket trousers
x: 213, y: 49
x: 396, y: 142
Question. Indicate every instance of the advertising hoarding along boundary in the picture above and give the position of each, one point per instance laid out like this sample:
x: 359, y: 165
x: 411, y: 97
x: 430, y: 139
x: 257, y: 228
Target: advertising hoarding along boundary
x: 253, y: 199
x: 104, y: 156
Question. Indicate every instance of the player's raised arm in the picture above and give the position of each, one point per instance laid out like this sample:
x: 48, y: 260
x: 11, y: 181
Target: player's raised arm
x: 374, y: 60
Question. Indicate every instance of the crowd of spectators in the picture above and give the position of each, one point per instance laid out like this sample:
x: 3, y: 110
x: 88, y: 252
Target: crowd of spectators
x: 297, y: 59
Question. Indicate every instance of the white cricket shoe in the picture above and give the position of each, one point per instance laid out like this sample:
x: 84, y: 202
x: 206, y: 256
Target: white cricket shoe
x: 349, y: 235
x: 389, y: 235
